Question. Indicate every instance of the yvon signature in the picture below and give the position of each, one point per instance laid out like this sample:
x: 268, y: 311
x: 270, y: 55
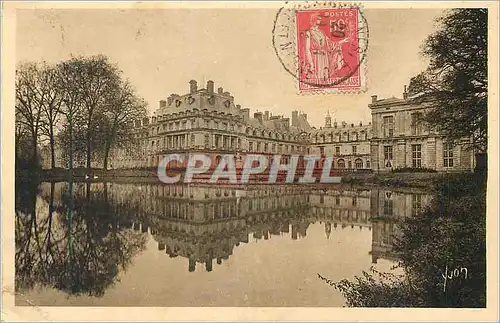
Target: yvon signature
x: 457, y: 273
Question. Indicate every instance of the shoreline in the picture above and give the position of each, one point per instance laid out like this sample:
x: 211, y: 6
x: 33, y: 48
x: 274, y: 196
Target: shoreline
x: 410, y: 180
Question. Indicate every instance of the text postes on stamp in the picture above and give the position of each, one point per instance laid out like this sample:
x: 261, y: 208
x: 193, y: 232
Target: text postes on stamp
x: 323, y: 47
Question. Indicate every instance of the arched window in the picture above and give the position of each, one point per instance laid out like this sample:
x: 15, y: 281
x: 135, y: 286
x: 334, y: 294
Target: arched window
x: 358, y: 163
x: 367, y: 164
x: 341, y: 164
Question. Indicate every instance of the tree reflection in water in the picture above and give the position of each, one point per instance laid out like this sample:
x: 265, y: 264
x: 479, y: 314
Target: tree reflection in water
x: 72, y: 242
x: 80, y: 242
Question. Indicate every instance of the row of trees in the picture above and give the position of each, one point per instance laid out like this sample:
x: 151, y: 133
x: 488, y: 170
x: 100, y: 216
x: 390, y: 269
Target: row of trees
x: 83, y: 104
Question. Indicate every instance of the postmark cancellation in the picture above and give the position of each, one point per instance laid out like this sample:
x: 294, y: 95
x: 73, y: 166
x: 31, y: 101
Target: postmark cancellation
x: 323, y: 46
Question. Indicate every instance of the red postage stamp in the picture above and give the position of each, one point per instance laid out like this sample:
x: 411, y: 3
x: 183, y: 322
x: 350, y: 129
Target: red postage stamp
x: 329, y: 50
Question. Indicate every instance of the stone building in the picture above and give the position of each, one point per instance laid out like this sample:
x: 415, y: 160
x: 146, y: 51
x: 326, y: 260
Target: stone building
x: 349, y: 144
x: 209, y: 121
x: 400, y: 139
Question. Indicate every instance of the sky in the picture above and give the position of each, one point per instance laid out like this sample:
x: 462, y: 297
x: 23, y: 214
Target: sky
x: 160, y: 50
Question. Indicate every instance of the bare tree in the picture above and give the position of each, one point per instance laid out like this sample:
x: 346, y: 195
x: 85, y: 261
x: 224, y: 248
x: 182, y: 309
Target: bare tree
x: 69, y: 75
x: 51, y: 108
x: 30, y: 97
x: 124, y: 108
x: 99, y: 80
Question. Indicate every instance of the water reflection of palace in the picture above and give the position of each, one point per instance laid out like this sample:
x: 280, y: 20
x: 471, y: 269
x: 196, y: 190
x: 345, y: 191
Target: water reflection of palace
x: 205, y: 224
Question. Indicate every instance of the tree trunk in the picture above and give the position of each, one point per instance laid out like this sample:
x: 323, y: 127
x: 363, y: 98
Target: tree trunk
x: 106, y: 156
x: 88, y: 148
x: 70, y: 166
x: 52, y: 150
x: 109, y: 142
x: 34, y: 153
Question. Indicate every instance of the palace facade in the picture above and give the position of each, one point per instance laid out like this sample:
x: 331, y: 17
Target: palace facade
x: 400, y: 139
x: 208, y: 121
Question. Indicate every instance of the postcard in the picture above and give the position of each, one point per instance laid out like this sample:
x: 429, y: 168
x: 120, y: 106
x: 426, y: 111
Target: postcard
x: 250, y: 161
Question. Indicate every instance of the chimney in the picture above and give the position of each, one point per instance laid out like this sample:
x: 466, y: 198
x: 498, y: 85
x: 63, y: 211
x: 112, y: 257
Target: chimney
x: 266, y: 115
x: 163, y: 104
x: 170, y: 99
x: 295, y: 118
x: 374, y: 98
x: 238, y: 107
x: 304, y: 115
x: 210, y: 87
x: 258, y: 116
x: 335, y: 124
x: 344, y: 124
x: 286, y: 123
x: 246, y: 114
x: 220, y: 90
x: 193, y: 87
x: 405, y: 94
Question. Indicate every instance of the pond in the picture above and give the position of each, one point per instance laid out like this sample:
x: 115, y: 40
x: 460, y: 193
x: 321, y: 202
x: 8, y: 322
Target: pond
x: 132, y: 244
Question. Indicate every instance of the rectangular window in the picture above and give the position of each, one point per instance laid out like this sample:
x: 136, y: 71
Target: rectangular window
x: 448, y: 154
x: 337, y: 150
x: 388, y: 207
x: 416, y: 119
x: 354, y: 150
x: 321, y: 151
x: 416, y: 156
x: 250, y: 146
x: 388, y: 153
x: 207, y: 141
x: 388, y: 126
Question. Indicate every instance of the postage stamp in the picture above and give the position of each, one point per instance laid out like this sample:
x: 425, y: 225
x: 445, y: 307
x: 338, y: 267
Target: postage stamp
x: 323, y: 47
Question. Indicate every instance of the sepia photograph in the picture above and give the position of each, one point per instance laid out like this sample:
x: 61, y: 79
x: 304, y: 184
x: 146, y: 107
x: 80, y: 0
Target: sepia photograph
x: 270, y: 157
